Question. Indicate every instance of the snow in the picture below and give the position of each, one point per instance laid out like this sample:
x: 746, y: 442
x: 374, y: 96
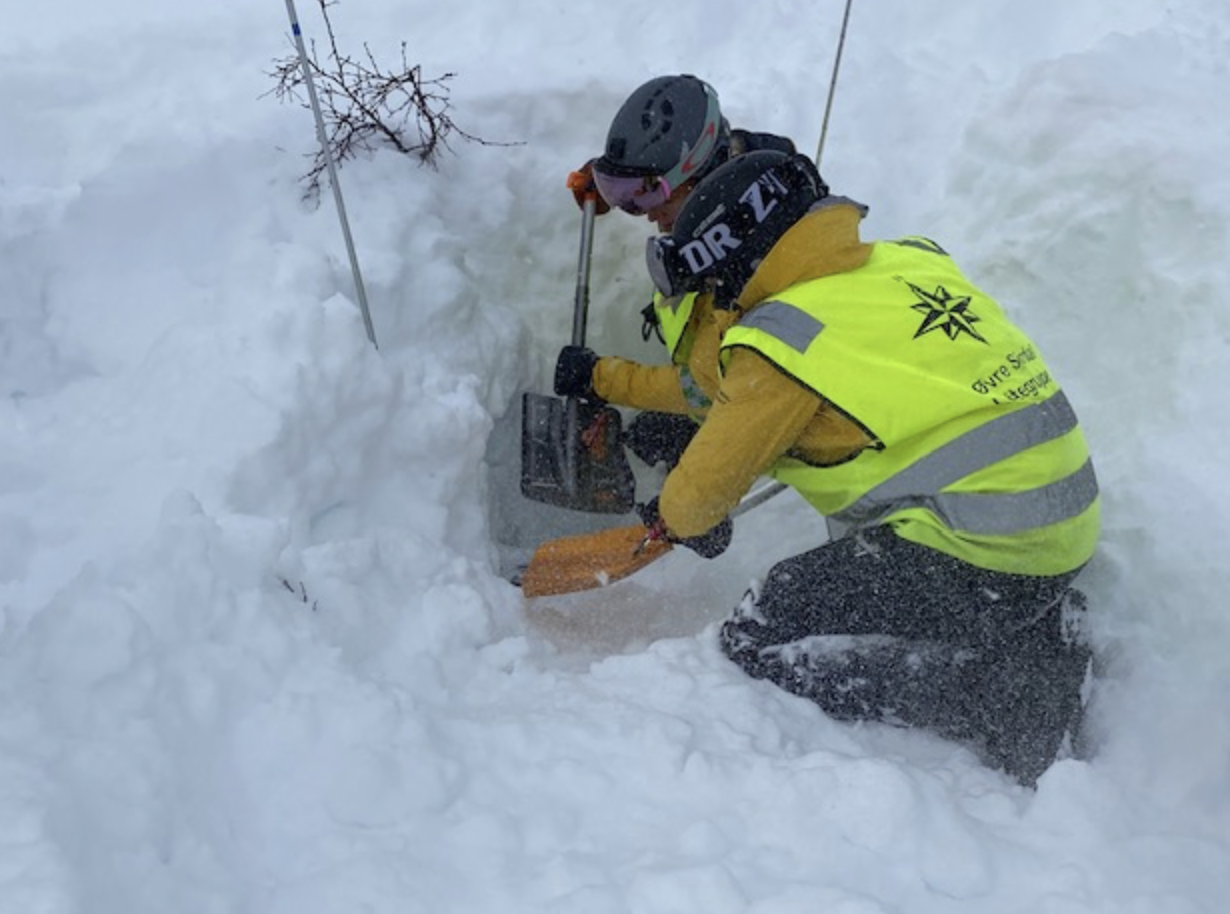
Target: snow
x: 257, y: 650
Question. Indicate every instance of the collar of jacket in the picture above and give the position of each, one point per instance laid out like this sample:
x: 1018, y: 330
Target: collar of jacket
x: 822, y: 243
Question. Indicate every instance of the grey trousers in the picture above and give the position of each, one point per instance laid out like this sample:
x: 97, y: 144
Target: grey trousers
x: 874, y: 627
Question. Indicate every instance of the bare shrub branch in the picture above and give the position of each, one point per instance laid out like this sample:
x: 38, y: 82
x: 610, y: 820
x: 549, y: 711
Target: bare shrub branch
x: 365, y: 108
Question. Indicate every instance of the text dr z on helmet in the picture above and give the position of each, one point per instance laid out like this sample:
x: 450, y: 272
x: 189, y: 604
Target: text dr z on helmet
x: 731, y: 221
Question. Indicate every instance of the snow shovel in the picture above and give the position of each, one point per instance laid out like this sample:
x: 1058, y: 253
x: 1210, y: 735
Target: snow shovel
x: 572, y: 454
x: 575, y: 563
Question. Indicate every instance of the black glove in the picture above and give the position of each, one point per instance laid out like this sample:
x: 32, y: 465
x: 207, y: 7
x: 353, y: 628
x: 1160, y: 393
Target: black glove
x: 574, y: 372
x: 708, y: 545
x: 659, y: 437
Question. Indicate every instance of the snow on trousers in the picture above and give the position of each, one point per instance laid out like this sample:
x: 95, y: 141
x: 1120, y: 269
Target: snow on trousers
x: 874, y: 627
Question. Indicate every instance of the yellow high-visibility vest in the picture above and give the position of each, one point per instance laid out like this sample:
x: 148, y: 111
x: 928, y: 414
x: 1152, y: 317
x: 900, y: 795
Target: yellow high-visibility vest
x: 977, y: 452
x: 674, y: 317
x: 673, y: 314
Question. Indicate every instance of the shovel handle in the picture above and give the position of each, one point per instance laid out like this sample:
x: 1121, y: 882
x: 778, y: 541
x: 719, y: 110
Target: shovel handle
x: 757, y: 498
x: 580, y: 313
x: 580, y: 305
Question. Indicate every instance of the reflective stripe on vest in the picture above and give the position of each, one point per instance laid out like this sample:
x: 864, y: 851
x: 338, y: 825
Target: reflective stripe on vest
x: 920, y: 485
x: 783, y: 321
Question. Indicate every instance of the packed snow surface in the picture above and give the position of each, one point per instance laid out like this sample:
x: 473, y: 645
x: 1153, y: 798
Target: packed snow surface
x: 258, y: 650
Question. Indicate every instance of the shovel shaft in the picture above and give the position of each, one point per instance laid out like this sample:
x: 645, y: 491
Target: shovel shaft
x: 580, y: 316
x: 580, y: 306
x: 572, y: 445
x: 757, y: 498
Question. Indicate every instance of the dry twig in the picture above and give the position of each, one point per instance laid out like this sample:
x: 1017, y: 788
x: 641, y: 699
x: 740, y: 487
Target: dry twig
x: 365, y: 108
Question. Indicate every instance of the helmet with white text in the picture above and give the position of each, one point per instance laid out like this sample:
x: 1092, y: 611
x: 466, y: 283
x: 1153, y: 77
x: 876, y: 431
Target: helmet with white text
x: 731, y: 220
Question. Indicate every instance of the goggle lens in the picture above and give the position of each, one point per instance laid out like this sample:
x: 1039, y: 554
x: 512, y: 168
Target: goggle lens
x: 635, y: 194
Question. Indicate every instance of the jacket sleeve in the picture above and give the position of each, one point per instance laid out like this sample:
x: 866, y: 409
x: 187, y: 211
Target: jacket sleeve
x: 646, y: 387
x: 758, y: 415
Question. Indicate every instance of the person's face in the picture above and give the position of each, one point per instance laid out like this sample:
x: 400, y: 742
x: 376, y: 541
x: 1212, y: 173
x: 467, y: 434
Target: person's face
x: 666, y: 213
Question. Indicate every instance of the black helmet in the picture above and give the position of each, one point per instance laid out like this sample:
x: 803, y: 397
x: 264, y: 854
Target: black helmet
x: 670, y: 130
x: 731, y: 221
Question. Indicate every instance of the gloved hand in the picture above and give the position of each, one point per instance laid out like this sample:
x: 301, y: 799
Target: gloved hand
x: 581, y: 183
x: 708, y: 545
x: 574, y: 372
x: 659, y: 437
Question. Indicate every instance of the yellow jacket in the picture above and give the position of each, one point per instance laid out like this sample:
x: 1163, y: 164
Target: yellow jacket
x: 759, y: 412
x: 765, y: 421
x: 660, y: 388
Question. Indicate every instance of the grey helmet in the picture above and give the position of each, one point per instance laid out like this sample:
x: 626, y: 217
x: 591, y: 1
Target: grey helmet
x: 671, y: 128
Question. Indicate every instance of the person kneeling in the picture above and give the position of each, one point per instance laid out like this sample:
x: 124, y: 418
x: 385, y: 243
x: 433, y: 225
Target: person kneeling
x: 899, y: 400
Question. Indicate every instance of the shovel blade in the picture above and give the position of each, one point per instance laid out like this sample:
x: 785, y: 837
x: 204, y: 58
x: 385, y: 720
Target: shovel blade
x: 575, y: 563
x: 572, y: 456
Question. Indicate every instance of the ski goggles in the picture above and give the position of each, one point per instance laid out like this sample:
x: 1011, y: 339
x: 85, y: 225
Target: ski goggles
x: 634, y: 194
x: 638, y: 194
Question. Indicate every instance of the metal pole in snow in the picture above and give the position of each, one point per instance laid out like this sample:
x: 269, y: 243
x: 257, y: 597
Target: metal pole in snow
x: 323, y: 137
x: 828, y: 106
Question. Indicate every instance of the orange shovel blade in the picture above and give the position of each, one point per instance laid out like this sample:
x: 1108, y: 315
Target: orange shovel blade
x: 575, y: 563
